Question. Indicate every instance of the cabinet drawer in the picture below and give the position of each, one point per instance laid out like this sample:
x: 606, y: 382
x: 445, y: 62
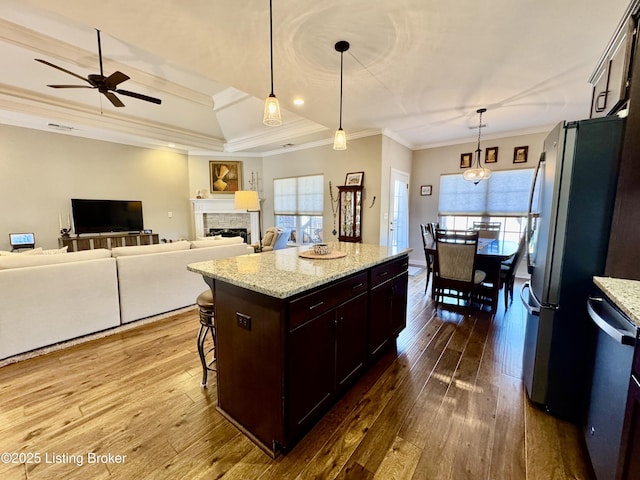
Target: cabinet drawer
x: 320, y: 301
x: 388, y: 270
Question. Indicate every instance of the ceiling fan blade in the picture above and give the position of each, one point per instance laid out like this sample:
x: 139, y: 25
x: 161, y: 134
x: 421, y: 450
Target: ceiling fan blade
x: 139, y: 96
x: 113, y: 80
x: 112, y: 98
x: 70, y: 86
x: 62, y: 69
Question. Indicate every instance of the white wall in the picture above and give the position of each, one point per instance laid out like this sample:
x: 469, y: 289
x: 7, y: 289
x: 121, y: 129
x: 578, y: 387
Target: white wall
x: 41, y: 171
x: 429, y: 164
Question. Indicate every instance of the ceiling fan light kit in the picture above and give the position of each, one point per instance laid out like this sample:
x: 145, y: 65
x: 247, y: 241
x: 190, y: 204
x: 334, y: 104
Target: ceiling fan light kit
x: 271, y: 117
x: 340, y: 139
x: 105, y: 85
x: 477, y: 173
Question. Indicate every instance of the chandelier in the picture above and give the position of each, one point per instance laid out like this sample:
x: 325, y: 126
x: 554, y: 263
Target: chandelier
x: 477, y: 173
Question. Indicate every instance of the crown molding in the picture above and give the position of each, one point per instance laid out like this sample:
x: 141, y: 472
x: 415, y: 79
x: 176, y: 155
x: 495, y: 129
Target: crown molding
x: 88, y: 122
x: 280, y: 134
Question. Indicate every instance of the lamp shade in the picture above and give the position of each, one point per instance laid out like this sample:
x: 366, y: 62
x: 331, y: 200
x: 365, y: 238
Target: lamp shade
x: 340, y: 140
x: 272, y: 116
x: 246, y: 200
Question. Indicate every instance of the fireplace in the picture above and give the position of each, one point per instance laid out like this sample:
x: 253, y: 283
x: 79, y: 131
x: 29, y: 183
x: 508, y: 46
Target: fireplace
x: 219, y: 213
x: 229, y: 232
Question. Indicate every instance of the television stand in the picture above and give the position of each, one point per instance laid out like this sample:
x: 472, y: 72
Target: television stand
x: 107, y: 240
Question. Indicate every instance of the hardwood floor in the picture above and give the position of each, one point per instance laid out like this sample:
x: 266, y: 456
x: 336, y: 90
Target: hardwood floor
x: 450, y: 405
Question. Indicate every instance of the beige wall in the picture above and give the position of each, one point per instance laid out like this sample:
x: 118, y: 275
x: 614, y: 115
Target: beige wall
x: 362, y: 155
x: 430, y: 163
x: 394, y: 157
x: 41, y: 172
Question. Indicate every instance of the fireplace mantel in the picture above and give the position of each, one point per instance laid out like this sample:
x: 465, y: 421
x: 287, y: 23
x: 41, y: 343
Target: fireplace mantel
x: 202, y: 206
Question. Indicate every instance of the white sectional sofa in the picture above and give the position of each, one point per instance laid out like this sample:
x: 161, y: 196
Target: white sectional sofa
x: 155, y: 278
x: 47, y: 299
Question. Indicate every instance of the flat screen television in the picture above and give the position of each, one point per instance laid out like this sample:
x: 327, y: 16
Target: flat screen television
x: 98, y: 216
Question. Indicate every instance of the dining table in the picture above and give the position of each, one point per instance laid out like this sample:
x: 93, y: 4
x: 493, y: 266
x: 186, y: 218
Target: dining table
x: 489, y: 256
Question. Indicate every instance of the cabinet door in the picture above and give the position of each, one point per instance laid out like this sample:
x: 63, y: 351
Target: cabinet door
x: 599, y: 96
x: 311, y: 370
x: 399, y: 304
x: 629, y: 468
x: 351, y: 339
x: 380, y: 312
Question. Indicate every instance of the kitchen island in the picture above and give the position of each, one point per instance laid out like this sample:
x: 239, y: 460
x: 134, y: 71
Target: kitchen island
x: 293, y: 333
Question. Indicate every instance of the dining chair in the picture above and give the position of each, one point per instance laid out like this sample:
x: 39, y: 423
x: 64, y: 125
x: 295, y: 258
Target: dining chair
x: 488, y: 229
x: 508, y: 271
x: 454, y: 273
x: 427, y: 240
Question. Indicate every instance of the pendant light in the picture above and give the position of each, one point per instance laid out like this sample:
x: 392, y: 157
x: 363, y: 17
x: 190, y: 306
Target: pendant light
x: 271, y: 106
x: 340, y: 140
x: 477, y: 173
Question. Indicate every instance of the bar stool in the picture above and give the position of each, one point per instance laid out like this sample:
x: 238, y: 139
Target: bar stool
x: 207, y: 325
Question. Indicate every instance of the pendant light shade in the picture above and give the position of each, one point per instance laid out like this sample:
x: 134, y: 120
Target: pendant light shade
x: 340, y: 140
x: 271, y: 115
x: 477, y: 173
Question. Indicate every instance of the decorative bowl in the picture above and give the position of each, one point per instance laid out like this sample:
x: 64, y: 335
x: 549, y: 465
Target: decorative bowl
x: 321, y: 249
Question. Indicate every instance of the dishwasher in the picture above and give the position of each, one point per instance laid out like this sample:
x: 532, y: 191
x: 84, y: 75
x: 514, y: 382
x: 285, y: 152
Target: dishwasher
x: 616, y: 337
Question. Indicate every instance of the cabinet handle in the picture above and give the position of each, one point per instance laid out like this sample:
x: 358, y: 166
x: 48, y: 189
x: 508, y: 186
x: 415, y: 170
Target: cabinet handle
x: 600, y: 107
x: 355, y: 287
x: 633, y: 377
x: 316, y: 305
x: 383, y: 274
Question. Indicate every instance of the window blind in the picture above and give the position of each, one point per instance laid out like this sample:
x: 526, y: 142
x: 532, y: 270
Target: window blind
x: 505, y: 193
x: 298, y: 195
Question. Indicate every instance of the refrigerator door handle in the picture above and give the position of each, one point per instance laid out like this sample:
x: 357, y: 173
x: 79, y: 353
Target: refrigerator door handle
x: 531, y: 309
x: 531, y: 215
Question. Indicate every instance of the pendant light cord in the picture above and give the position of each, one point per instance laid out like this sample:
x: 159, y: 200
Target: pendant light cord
x: 341, y: 63
x: 479, y: 130
x: 271, y: 41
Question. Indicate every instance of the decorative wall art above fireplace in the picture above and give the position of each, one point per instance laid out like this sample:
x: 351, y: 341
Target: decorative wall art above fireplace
x: 225, y: 176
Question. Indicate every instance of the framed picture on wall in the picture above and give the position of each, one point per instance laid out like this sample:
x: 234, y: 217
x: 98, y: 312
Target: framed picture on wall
x: 354, y: 179
x: 491, y: 155
x: 425, y: 190
x: 225, y: 176
x: 465, y: 160
x: 520, y: 154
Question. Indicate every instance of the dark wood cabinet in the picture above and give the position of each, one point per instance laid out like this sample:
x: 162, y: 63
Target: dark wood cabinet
x: 76, y: 244
x: 387, y: 304
x: 327, y: 352
x: 281, y: 363
x: 629, y: 466
x: 350, y: 209
x: 611, y: 80
x: 630, y: 455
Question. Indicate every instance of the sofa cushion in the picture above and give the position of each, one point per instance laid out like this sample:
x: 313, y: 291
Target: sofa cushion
x: 31, y: 251
x: 19, y: 261
x: 145, y: 249
x: 216, y: 242
x: 55, y: 251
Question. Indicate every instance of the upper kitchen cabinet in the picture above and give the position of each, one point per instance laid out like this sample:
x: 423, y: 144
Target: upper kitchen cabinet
x: 623, y: 256
x: 612, y: 77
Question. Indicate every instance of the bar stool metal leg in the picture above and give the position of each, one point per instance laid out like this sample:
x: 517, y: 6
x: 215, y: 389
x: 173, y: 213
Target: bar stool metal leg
x: 207, y: 326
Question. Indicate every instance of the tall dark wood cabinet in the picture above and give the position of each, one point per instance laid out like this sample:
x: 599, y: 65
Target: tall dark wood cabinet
x: 350, y: 207
x: 629, y: 467
x: 623, y: 258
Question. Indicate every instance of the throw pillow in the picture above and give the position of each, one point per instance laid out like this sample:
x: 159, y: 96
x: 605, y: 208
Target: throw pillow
x: 55, y: 251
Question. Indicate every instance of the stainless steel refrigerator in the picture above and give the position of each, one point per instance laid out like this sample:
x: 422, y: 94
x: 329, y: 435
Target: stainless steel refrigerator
x: 570, y: 213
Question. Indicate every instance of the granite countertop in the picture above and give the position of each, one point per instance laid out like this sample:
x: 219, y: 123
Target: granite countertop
x: 282, y: 273
x: 625, y: 294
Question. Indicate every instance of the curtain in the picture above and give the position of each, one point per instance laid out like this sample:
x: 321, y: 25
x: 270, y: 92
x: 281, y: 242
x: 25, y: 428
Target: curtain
x: 505, y: 193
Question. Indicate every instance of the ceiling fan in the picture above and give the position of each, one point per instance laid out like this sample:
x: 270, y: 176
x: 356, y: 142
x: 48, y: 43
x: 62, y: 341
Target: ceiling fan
x: 105, y: 85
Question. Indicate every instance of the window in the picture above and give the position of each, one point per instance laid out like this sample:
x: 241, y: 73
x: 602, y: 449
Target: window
x: 503, y: 198
x: 298, y: 205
